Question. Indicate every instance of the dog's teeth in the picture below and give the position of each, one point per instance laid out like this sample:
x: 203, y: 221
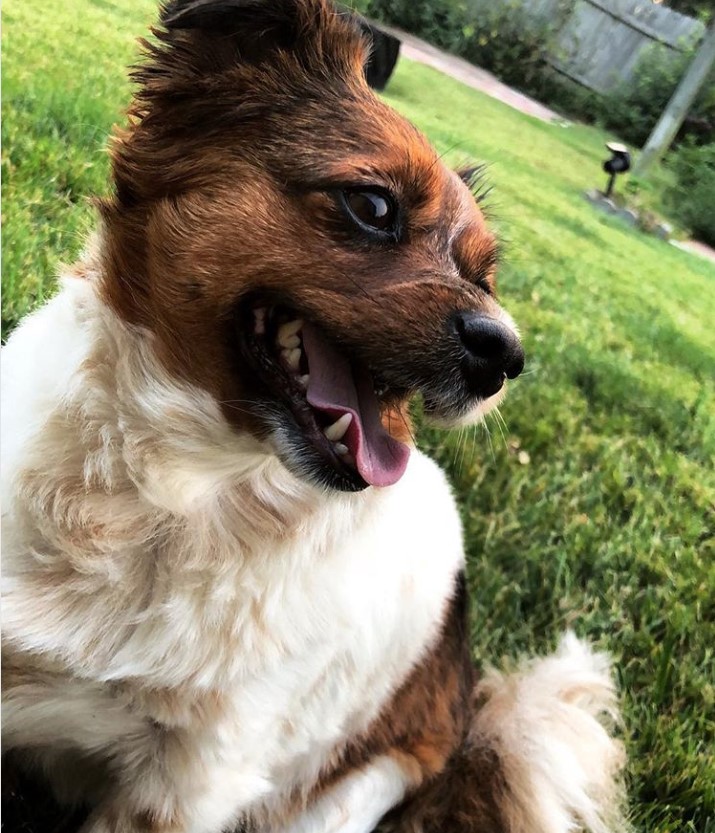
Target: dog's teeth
x: 292, y: 358
x: 260, y: 320
x: 341, y: 449
x: 303, y: 381
x: 337, y: 430
x: 288, y: 334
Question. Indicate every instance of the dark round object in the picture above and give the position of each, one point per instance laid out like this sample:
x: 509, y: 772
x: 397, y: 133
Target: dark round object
x: 372, y: 211
x: 619, y: 163
x: 616, y: 166
x: 492, y: 352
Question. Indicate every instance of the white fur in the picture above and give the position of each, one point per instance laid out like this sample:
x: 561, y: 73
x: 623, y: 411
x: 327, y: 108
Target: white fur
x: 357, y: 803
x: 549, y: 724
x: 150, y: 548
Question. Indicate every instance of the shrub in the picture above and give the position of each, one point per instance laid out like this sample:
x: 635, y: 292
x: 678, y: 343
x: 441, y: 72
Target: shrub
x: 634, y: 106
x: 693, y: 196
x: 503, y: 37
x: 440, y: 22
x: 510, y: 41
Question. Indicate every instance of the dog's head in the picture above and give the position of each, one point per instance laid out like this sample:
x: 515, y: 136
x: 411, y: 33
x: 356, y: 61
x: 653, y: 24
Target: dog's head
x: 297, y: 248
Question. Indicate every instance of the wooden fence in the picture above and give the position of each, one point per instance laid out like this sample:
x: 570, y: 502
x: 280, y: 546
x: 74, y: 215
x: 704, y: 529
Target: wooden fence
x: 599, y: 42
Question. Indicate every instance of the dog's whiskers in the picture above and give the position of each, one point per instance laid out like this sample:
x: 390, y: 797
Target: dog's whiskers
x: 444, y: 153
x: 359, y: 286
x: 488, y: 433
x: 407, y: 424
x: 232, y: 404
x: 461, y: 448
x: 501, y: 425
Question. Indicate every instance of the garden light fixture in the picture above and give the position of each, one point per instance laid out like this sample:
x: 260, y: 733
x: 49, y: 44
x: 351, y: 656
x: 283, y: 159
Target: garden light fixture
x: 619, y: 163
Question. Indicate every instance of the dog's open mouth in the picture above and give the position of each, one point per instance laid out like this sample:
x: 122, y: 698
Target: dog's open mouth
x: 331, y: 398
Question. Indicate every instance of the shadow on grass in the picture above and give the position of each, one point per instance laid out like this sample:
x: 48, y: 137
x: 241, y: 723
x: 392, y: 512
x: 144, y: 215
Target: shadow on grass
x: 610, y: 389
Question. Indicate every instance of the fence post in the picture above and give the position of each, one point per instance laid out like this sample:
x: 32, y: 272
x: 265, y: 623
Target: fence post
x: 676, y: 111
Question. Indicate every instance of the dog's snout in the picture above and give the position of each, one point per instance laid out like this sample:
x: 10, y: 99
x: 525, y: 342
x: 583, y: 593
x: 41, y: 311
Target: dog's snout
x: 492, y: 352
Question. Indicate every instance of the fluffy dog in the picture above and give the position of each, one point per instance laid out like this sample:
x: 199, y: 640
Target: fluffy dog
x: 233, y: 590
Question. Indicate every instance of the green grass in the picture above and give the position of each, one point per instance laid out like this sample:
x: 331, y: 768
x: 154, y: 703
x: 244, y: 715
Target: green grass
x: 593, y: 507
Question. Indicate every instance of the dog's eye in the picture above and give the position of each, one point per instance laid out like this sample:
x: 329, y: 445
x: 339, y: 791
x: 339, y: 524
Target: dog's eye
x: 372, y: 211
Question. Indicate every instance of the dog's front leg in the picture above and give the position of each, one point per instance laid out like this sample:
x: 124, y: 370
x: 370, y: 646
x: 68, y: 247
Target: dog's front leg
x: 356, y: 803
x: 154, y: 791
x: 172, y: 780
x: 115, y: 818
x: 155, y: 803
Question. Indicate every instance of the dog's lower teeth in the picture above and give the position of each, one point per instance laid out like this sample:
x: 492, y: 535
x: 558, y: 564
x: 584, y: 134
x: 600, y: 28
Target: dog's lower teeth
x: 341, y: 449
x: 337, y: 430
x: 303, y: 381
x: 292, y: 358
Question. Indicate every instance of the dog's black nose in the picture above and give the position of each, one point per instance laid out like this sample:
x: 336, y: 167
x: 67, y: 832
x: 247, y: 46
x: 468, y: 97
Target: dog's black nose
x: 492, y: 352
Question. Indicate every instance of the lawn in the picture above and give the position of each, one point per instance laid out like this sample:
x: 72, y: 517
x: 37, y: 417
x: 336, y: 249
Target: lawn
x: 592, y: 504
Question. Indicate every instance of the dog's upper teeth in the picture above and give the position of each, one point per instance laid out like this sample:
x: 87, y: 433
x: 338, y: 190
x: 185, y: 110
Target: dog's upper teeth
x: 292, y: 358
x: 288, y: 334
x: 337, y: 430
x: 303, y: 380
x: 259, y: 315
x: 341, y: 449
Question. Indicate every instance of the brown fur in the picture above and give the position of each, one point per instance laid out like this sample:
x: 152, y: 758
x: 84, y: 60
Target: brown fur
x: 468, y: 796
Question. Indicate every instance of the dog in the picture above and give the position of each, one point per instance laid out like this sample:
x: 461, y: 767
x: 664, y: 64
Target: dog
x: 234, y: 592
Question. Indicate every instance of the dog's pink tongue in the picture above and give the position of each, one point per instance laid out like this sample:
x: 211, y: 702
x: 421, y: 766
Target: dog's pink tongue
x: 335, y: 390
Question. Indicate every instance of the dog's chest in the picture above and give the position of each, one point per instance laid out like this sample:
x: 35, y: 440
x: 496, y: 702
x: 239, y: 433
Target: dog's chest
x: 262, y: 665
x: 310, y: 651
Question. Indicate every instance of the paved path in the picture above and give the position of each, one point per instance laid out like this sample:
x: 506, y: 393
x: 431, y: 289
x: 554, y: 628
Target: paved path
x: 696, y: 248
x: 473, y: 76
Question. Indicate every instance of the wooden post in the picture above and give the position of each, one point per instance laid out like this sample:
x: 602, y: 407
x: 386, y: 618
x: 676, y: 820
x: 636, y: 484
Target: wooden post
x: 669, y: 123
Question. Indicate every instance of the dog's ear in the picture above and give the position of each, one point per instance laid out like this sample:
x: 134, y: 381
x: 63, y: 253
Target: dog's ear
x: 199, y: 41
x: 257, y: 27
x: 474, y: 177
x: 227, y: 15
x: 215, y: 66
x: 276, y: 22
x: 209, y: 52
